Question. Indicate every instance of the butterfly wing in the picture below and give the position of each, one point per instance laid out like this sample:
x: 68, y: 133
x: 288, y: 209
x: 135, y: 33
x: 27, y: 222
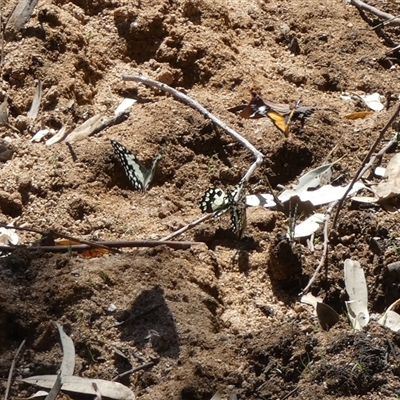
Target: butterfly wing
x: 136, y: 172
x: 238, y: 211
x: 279, y: 120
x: 212, y: 200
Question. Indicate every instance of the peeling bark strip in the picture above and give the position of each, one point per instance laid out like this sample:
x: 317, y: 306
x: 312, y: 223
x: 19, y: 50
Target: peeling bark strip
x: 390, y: 19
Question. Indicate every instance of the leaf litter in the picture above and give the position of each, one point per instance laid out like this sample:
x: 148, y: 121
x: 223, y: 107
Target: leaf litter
x: 75, y: 384
x: 170, y: 189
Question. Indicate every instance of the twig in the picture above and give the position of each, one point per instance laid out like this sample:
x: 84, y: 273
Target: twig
x: 2, y: 29
x: 197, y: 106
x: 58, y: 234
x: 133, y: 370
x: 12, y: 369
x: 290, y: 393
x: 187, y: 227
x: 106, y: 245
x: 381, y: 14
x: 324, y: 250
x: 385, y: 23
x: 367, y: 157
x: 379, y: 154
x: 117, y: 119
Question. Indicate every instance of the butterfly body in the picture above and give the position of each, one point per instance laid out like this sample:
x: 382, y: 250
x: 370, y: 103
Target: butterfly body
x: 138, y: 175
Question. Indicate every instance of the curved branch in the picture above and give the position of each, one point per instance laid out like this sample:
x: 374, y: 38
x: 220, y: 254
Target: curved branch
x: 197, y: 106
x: 390, y: 19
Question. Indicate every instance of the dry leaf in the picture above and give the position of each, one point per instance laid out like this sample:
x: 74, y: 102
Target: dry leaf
x: 309, y: 226
x: 217, y: 396
x: 76, y: 384
x: 55, y: 389
x: 58, y: 137
x: 65, y: 242
x: 359, y: 114
x: 68, y: 362
x: 356, y: 288
x: 324, y: 195
x: 94, y: 252
x: 327, y: 316
x: 391, y: 320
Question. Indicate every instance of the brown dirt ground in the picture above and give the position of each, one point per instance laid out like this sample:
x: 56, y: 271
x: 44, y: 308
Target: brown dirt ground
x: 224, y: 314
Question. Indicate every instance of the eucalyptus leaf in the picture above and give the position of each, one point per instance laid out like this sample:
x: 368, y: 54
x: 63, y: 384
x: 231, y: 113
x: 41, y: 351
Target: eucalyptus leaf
x: 77, y: 384
x: 356, y: 287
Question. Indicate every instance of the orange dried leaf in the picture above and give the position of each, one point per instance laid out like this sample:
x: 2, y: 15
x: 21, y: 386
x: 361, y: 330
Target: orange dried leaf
x: 358, y: 114
x: 94, y: 252
x: 65, y: 242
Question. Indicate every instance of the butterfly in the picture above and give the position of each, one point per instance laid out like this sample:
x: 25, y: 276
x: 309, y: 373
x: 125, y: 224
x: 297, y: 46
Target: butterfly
x: 139, y: 176
x: 280, y: 114
x: 215, y: 199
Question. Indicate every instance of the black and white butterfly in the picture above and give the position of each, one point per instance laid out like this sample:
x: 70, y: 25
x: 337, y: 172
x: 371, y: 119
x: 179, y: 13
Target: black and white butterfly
x: 215, y: 199
x: 139, y: 176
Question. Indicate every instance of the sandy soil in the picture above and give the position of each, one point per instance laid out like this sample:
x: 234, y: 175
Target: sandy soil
x: 224, y: 314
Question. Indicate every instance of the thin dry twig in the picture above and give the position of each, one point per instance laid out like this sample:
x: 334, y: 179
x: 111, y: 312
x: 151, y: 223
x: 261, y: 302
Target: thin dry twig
x: 188, y: 226
x: 391, y: 20
x: 358, y: 175
x: 12, y: 369
x: 197, y: 106
x: 324, y: 250
x: 106, y: 245
x: 52, y: 233
x: 384, y: 149
x: 133, y: 370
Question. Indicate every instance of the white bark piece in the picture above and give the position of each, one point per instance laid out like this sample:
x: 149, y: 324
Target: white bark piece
x: 58, y: 137
x: 22, y: 13
x: 8, y: 237
x: 84, y: 130
x: 390, y: 187
x: 125, y: 104
x: 373, y: 101
x: 37, y: 98
x: 39, y: 135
